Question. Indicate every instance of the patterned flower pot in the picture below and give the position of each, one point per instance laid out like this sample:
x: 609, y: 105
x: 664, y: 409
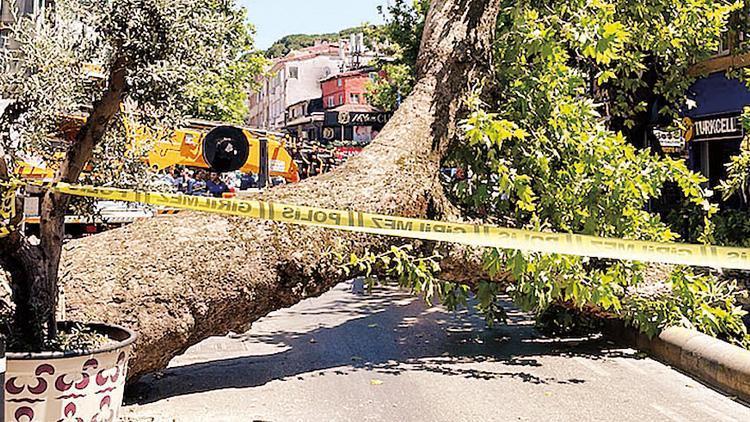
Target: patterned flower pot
x: 76, y: 386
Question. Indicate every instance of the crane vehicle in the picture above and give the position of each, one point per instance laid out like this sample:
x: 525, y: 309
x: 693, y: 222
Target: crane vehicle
x: 201, y: 144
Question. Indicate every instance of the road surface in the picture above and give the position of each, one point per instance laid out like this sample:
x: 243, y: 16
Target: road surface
x: 388, y: 357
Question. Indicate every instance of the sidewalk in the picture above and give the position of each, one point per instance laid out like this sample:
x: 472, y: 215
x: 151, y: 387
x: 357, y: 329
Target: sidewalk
x: 387, y: 357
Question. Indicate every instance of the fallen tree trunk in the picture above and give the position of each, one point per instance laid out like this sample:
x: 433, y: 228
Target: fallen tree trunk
x: 178, y: 280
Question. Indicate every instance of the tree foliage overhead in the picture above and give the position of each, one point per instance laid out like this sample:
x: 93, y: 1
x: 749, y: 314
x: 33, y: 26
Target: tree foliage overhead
x: 550, y: 151
x: 179, y: 59
x: 221, y: 94
x: 402, y: 33
x: 548, y: 158
x: 156, y: 54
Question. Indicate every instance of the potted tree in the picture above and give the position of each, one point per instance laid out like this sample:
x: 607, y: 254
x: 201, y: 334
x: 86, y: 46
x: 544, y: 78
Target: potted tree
x: 79, y: 61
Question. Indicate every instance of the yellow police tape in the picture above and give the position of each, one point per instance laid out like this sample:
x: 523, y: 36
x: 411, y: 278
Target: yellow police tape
x: 467, y: 234
x: 7, y: 209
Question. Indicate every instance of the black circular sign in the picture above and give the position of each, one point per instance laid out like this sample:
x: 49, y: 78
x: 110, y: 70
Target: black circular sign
x: 226, y: 149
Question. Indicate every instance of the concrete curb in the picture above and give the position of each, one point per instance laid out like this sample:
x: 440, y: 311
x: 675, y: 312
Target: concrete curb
x: 715, y: 362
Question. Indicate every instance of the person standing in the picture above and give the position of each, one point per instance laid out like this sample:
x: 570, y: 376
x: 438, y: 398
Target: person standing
x: 303, y: 164
x: 199, y: 185
x: 215, y: 186
x: 316, y: 163
x: 183, y: 181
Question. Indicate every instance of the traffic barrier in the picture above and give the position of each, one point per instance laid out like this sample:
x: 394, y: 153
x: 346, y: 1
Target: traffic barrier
x: 167, y: 212
x: 462, y: 233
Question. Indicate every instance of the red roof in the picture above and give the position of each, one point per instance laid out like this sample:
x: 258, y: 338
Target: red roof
x: 357, y: 72
x: 308, y: 53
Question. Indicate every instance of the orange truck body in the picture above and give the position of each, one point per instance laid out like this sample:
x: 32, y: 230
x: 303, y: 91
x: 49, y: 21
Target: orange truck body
x: 185, y: 148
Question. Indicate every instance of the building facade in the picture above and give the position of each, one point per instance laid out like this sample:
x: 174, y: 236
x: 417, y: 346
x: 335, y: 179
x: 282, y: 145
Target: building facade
x: 347, y: 87
x: 714, y: 131
x: 291, y: 79
x: 349, y: 118
x: 297, y: 77
x: 305, y: 120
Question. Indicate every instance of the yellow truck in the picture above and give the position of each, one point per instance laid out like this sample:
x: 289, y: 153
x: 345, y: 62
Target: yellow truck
x: 201, y: 144
x: 221, y: 148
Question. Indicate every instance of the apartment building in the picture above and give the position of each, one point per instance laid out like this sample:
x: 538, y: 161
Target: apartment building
x: 297, y: 77
x: 292, y: 79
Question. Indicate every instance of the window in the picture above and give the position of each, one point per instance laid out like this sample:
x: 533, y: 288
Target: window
x: 5, y: 35
x: 294, y: 72
x: 341, y: 99
x: 354, y: 98
x: 330, y: 102
x: 339, y: 82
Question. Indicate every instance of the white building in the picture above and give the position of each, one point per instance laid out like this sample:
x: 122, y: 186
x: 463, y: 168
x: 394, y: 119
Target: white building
x: 11, y: 9
x: 294, y: 78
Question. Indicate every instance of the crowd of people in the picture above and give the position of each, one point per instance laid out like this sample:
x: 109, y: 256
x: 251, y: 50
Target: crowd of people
x: 205, y: 183
x: 312, y: 160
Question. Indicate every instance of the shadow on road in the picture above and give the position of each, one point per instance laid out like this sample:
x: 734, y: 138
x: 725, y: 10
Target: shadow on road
x: 384, y: 333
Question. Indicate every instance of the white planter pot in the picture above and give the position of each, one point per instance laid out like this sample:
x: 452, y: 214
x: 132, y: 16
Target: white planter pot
x: 79, y: 386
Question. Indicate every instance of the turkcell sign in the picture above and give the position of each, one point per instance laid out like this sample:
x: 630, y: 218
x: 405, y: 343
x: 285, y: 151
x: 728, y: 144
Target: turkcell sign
x: 727, y: 126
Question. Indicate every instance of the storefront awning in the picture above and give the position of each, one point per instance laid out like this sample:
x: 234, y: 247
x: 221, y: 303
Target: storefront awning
x: 716, y: 94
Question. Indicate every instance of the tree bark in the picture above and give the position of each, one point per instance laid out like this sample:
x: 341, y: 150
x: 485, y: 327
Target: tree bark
x: 178, y: 280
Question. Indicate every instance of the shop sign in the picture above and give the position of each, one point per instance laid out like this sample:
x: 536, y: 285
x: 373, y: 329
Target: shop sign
x: 342, y: 153
x: 277, y: 166
x: 717, y: 127
x: 347, y: 118
x: 329, y: 133
x: 669, y: 140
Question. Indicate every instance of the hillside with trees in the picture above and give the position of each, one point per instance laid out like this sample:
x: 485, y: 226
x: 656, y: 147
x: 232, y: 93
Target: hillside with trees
x: 283, y: 46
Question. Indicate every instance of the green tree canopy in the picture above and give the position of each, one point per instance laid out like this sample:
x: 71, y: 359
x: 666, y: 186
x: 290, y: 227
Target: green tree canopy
x: 401, y: 34
x: 221, y: 95
x: 549, y: 156
x: 547, y: 148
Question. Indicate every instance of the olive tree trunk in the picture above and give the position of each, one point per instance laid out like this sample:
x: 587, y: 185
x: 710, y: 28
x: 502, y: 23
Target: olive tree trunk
x: 33, y: 268
x: 180, y: 279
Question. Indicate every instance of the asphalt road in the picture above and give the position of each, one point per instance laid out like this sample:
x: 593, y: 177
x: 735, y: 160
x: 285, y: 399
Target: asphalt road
x: 387, y: 357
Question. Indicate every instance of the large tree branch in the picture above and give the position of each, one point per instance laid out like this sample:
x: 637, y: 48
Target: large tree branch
x: 178, y: 280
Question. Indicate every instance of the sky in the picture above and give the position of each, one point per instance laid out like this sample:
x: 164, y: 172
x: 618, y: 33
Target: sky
x: 275, y: 18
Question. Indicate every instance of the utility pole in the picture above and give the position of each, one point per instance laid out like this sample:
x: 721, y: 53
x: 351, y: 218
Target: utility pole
x: 263, y: 172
